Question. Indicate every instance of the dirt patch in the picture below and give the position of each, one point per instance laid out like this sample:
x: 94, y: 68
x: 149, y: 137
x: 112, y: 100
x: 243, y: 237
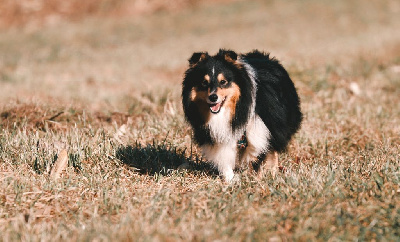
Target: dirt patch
x: 36, y: 116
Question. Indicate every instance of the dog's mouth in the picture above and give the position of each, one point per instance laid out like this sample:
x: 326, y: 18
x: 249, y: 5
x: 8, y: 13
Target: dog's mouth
x: 216, y: 107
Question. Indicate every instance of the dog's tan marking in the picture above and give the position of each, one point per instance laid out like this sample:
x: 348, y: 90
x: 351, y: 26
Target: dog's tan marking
x: 207, y: 77
x: 220, y: 77
x: 193, y: 94
x: 237, y: 63
x: 232, y: 95
x: 229, y: 58
x: 202, y: 57
x: 200, y: 99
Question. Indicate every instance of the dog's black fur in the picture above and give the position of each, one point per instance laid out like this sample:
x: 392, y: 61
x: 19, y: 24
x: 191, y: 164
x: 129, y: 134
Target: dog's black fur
x: 277, y: 102
x: 256, y: 98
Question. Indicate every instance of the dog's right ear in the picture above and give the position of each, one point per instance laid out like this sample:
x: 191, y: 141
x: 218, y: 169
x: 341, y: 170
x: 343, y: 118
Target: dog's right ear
x: 197, y: 57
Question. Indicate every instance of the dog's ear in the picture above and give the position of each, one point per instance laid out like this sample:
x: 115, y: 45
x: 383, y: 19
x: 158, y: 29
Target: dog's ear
x: 229, y: 55
x: 197, y: 57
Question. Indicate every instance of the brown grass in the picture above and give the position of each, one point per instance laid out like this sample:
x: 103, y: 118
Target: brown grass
x: 107, y: 91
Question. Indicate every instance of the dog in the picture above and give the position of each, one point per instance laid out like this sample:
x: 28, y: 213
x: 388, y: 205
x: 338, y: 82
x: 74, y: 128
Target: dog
x: 243, y: 109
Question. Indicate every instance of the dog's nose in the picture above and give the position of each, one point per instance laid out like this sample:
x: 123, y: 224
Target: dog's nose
x: 213, y: 98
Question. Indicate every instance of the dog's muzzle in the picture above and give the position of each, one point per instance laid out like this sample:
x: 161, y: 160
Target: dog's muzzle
x: 215, y: 103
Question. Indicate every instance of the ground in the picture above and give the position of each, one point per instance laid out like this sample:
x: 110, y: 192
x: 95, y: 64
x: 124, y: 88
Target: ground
x: 106, y: 89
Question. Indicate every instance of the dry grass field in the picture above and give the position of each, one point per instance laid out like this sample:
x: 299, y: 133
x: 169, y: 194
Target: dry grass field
x: 102, y: 93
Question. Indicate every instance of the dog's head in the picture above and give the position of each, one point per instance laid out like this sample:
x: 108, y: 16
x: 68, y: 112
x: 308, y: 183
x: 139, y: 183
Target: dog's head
x: 213, y: 83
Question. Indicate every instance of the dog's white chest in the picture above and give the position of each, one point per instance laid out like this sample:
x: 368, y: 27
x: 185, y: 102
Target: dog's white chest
x: 220, y: 127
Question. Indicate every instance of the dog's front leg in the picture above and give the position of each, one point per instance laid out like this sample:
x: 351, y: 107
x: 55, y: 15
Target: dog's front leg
x: 223, y: 156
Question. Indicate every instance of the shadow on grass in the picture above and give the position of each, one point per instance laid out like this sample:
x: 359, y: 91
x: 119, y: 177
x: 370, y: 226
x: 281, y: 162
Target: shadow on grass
x: 161, y: 159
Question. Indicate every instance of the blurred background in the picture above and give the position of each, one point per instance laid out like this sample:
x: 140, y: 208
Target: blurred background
x: 100, y: 81
x: 129, y: 55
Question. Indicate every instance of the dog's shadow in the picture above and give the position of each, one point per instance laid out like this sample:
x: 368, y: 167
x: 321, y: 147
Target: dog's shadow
x: 161, y: 159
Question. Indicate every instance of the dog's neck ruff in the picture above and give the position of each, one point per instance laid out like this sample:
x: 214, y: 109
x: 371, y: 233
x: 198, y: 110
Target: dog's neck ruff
x: 220, y: 127
x: 253, y: 77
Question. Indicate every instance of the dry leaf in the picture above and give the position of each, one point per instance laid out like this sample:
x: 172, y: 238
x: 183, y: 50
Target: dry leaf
x: 355, y: 88
x: 60, y: 164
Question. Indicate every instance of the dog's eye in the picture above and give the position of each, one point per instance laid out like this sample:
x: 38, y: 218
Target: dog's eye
x: 204, y: 83
x: 223, y: 82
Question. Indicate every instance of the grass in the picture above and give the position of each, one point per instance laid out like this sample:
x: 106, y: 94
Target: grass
x: 107, y: 90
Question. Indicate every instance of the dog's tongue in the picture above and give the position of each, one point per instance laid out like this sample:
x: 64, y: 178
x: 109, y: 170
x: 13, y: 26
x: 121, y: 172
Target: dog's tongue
x: 215, y: 107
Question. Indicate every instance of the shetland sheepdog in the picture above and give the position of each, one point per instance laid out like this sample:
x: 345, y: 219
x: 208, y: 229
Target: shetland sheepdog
x: 243, y: 109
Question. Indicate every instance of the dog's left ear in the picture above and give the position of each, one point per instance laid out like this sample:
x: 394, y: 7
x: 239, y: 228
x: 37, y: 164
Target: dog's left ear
x: 197, y: 57
x: 229, y: 55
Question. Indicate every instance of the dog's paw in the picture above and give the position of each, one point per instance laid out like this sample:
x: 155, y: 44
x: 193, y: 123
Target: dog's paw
x: 232, y: 179
x: 236, y: 179
x: 228, y: 176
